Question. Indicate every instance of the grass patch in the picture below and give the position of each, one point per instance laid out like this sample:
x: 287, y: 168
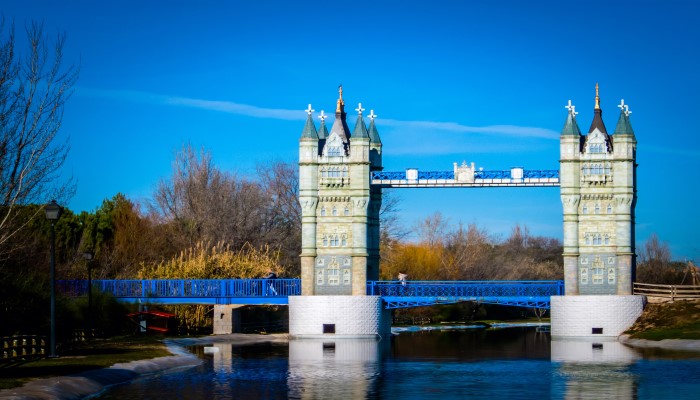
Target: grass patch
x: 91, y: 355
x: 678, y: 320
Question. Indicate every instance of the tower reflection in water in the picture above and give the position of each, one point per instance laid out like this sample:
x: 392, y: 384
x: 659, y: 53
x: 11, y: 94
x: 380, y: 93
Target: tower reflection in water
x: 344, y: 368
x: 593, y: 370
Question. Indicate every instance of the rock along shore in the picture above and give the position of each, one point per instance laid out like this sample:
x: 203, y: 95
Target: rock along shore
x: 668, y: 344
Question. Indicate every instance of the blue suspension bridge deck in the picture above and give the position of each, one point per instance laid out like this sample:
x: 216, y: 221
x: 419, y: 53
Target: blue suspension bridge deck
x: 277, y: 291
x: 517, y: 177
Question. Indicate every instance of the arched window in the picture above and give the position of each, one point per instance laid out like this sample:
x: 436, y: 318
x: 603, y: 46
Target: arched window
x: 346, y: 211
x: 319, y: 277
x: 596, y: 210
x: 588, y: 239
x: 346, y: 277
x: 325, y: 241
x: 607, y: 239
x: 609, y: 210
x: 343, y: 241
x: 323, y: 211
x: 334, y: 211
x: 585, y: 209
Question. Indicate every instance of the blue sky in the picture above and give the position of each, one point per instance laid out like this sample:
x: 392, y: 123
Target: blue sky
x: 482, y: 81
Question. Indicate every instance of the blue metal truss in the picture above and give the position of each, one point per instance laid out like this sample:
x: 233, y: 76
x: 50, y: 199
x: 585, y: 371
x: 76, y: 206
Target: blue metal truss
x: 277, y: 291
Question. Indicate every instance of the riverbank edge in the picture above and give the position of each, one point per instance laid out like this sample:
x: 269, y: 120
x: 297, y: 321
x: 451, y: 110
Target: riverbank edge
x: 94, y: 382
x: 667, y: 344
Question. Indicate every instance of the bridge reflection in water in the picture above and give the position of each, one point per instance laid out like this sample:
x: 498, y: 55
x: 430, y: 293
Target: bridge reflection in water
x: 277, y: 291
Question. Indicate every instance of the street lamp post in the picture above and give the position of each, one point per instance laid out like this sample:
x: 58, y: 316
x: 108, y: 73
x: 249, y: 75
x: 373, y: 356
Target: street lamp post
x: 88, y: 257
x: 53, y: 212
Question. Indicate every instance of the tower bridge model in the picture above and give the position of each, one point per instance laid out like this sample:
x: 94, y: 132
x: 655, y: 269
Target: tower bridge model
x: 340, y: 191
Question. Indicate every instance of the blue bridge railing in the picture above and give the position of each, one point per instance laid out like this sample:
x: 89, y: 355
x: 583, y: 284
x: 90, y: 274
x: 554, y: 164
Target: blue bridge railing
x: 420, y: 293
x: 277, y: 291
x: 190, y: 291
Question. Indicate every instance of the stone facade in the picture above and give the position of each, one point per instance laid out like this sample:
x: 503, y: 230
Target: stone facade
x: 340, y: 211
x: 227, y: 318
x: 598, y: 193
x: 338, y: 316
x: 594, y: 316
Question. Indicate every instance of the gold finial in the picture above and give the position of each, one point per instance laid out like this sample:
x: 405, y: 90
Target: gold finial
x: 597, y: 97
x: 340, y: 103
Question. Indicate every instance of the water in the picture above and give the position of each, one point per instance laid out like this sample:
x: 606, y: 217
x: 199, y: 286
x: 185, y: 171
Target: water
x: 513, y: 363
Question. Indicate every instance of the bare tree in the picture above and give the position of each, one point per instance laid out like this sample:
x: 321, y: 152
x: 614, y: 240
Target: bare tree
x: 433, y: 229
x: 655, y: 262
x: 34, y: 88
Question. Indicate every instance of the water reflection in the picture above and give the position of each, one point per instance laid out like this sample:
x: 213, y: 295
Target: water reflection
x: 346, y: 368
x: 474, y: 364
x: 594, y: 369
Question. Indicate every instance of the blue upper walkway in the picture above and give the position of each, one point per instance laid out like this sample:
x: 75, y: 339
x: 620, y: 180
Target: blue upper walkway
x: 277, y: 291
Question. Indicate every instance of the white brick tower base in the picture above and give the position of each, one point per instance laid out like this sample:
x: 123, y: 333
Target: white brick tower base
x: 338, y: 317
x: 594, y: 316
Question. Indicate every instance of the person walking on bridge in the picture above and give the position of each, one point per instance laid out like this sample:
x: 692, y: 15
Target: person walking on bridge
x: 272, y: 275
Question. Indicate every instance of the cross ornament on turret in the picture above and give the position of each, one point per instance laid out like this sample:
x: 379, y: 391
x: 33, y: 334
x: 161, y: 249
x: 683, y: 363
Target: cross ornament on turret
x: 309, y: 110
x: 571, y: 108
x: 359, y: 108
x: 372, y: 115
x: 322, y: 117
x: 624, y: 108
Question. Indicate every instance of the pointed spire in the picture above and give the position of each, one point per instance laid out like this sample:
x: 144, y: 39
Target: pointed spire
x: 623, y: 123
x: 597, y: 115
x: 309, y: 131
x: 360, y: 131
x: 571, y: 127
x: 372, y: 132
x: 340, y: 104
x: 323, y: 132
x: 340, y: 127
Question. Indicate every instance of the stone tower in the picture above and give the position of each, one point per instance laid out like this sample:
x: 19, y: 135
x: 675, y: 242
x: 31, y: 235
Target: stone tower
x: 598, y: 192
x: 340, y: 211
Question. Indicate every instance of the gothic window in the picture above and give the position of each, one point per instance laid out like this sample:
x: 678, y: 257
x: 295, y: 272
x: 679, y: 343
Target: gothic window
x: 346, y: 211
x: 585, y: 209
x: 597, y: 239
x: 596, y: 147
x: 588, y: 239
x: 325, y: 241
x: 334, y: 211
x: 596, y: 209
x: 609, y: 209
x: 584, y: 276
x: 334, y: 151
x: 611, y: 276
x: 344, y: 240
x: 345, y: 172
x: 607, y: 239
x: 323, y: 211
x: 319, y: 277
x: 597, y: 273
x: 324, y: 173
x: 346, y: 277
x: 333, y: 275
